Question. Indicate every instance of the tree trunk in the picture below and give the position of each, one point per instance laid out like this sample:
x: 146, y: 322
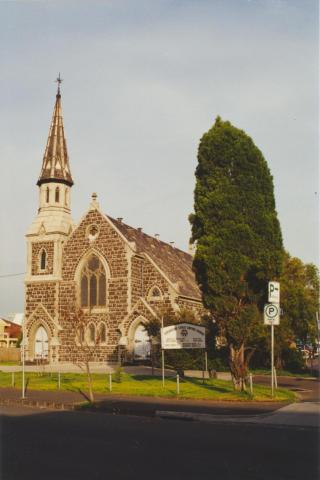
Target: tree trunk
x: 89, y: 377
x: 238, y: 367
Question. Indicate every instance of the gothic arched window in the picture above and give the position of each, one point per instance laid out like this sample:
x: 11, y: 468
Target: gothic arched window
x: 43, y: 259
x: 155, y: 293
x: 102, y: 335
x: 47, y: 195
x: 92, y: 333
x: 93, y: 283
x: 57, y: 195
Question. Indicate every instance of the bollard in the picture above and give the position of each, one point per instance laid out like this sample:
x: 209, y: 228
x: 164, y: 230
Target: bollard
x: 251, y: 383
x: 275, y: 378
x: 110, y: 382
x: 59, y: 380
x: 13, y: 382
x: 178, y: 385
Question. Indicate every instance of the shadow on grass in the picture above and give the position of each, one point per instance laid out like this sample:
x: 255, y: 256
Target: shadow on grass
x: 213, y: 388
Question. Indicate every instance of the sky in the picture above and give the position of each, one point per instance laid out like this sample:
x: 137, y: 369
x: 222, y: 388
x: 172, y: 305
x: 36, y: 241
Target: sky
x: 143, y: 80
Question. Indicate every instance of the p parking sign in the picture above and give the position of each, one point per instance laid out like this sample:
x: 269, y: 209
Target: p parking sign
x: 272, y: 314
x: 274, y: 292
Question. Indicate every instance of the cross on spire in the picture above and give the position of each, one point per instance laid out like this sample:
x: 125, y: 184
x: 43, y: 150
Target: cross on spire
x: 59, y: 80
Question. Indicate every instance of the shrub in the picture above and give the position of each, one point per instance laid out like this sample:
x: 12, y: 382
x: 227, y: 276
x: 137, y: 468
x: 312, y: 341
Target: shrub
x: 117, y: 376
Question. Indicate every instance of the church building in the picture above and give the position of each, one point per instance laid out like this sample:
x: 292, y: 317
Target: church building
x: 116, y: 275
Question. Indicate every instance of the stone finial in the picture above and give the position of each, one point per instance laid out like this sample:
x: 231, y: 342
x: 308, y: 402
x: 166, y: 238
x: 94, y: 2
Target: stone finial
x: 94, y: 205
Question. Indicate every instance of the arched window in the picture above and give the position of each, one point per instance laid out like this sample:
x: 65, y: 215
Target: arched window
x: 92, y: 333
x: 81, y: 335
x: 102, y: 333
x: 43, y: 259
x: 155, y: 293
x: 66, y: 197
x: 57, y: 195
x: 93, y: 283
x: 47, y: 195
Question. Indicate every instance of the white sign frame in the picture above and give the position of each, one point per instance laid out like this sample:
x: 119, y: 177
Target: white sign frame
x: 183, y: 335
x: 271, y: 314
x: 274, y: 292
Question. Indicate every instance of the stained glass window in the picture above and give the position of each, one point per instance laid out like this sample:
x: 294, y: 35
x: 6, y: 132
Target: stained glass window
x: 84, y: 291
x: 93, y: 283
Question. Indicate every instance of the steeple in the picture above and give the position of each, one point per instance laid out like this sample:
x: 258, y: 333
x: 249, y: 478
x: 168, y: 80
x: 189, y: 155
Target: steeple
x: 55, y: 165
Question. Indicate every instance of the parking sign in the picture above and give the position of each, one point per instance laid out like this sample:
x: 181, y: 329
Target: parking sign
x: 274, y: 292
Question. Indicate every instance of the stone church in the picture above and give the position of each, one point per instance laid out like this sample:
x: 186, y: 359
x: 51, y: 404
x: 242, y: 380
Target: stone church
x: 116, y: 275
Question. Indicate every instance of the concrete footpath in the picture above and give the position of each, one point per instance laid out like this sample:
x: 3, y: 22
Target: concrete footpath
x: 306, y: 414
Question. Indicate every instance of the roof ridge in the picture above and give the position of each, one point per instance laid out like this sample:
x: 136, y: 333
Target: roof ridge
x: 140, y: 232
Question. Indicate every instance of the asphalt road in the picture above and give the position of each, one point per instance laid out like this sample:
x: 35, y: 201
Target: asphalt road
x: 75, y: 446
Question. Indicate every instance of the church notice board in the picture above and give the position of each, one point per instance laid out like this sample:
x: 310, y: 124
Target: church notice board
x: 183, y: 335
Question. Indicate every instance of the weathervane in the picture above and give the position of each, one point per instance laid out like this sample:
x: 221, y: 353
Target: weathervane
x: 59, y: 81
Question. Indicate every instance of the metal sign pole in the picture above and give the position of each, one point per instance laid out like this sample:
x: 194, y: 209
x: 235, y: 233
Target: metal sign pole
x: 272, y: 359
x: 162, y: 354
x: 23, y: 360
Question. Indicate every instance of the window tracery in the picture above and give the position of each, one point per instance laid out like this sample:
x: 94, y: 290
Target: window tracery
x: 93, y: 283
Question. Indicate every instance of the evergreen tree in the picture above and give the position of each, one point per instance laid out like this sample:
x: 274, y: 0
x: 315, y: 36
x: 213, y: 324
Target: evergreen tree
x: 238, y: 238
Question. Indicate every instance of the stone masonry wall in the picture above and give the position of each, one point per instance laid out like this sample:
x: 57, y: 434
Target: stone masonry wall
x: 40, y: 292
x: 109, y: 245
x: 36, y: 249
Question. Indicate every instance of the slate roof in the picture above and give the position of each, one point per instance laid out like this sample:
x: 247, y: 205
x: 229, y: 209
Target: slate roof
x: 174, y: 263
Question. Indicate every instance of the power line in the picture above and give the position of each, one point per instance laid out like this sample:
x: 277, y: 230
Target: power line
x: 12, y: 275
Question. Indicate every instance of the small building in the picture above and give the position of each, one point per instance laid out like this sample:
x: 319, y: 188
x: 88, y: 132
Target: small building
x: 118, y: 276
x: 9, y: 333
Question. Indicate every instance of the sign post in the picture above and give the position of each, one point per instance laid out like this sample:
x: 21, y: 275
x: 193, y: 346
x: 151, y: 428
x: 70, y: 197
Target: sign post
x: 179, y: 336
x: 23, y: 359
x: 272, y: 318
x: 162, y: 354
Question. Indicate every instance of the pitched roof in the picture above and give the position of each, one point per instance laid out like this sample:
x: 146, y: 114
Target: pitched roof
x: 55, y: 165
x: 175, y: 264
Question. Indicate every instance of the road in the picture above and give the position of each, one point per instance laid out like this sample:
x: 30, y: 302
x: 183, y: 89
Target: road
x: 75, y: 446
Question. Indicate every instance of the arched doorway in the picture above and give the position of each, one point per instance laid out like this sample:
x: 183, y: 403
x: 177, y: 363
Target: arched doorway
x: 141, y: 344
x: 41, y: 345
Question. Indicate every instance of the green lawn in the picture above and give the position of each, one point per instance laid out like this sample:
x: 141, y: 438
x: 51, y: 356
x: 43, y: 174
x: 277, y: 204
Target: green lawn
x: 9, y: 363
x: 212, y: 389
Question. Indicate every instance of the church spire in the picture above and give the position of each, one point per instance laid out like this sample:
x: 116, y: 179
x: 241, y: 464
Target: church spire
x: 55, y: 165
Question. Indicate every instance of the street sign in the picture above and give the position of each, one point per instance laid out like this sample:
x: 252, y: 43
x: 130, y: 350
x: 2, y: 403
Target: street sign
x: 271, y: 314
x: 274, y: 292
x: 183, y: 335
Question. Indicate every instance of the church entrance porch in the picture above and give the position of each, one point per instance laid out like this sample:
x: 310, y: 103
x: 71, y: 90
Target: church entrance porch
x: 141, y: 344
x: 41, y: 344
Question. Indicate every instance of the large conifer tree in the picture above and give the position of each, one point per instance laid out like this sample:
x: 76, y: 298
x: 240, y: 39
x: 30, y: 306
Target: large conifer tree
x: 238, y: 237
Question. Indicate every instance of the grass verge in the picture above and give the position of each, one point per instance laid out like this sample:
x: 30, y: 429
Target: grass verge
x: 191, y: 388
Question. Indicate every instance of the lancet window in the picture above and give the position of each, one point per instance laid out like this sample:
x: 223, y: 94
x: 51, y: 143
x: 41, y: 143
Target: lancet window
x: 93, y: 283
x: 43, y: 259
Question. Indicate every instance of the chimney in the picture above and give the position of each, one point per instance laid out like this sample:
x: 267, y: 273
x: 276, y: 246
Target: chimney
x: 139, y: 229
x: 172, y: 244
x: 120, y: 219
x: 157, y: 236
